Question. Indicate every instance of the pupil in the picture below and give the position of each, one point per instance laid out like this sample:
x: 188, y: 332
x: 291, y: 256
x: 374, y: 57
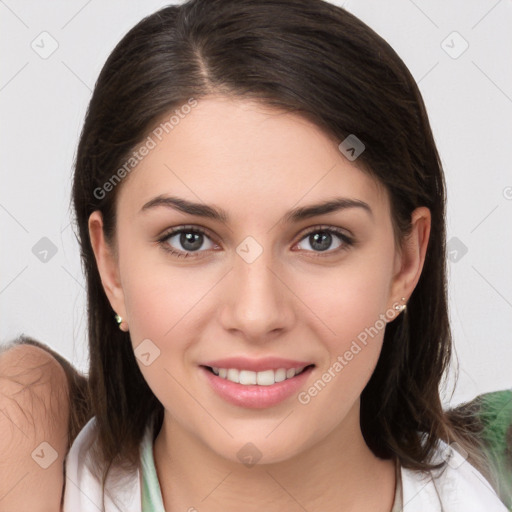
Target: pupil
x: 325, y: 240
x: 188, y: 238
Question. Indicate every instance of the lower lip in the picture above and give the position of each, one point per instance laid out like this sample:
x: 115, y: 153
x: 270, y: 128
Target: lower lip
x: 254, y: 396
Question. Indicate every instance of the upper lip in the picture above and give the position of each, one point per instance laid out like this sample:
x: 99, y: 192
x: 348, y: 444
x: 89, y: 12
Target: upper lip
x: 256, y: 365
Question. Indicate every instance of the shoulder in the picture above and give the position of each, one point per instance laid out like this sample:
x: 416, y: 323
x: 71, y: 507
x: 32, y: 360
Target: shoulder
x: 84, y: 490
x: 495, y: 413
x: 34, y: 426
x: 457, y: 487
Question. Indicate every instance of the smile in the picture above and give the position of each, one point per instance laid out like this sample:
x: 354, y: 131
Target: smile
x: 262, y: 378
x: 256, y: 390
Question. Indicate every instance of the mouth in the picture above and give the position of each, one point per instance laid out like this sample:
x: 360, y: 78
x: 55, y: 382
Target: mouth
x: 261, y: 378
x: 256, y: 390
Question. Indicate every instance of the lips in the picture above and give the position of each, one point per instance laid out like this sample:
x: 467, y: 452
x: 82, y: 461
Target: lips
x: 256, y: 365
x: 255, y: 396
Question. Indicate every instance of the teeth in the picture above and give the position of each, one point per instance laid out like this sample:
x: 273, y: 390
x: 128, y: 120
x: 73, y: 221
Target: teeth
x: 264, y: 378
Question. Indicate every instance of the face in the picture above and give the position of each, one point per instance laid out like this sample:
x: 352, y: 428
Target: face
x: 258, y: 283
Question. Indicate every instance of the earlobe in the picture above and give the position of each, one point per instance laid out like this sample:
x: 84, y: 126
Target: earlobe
x: 107, y: 264
x: 412, y: 257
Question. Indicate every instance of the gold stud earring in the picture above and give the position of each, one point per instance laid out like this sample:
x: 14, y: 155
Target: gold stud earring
x: 401, y: 307
x: 122, y: 325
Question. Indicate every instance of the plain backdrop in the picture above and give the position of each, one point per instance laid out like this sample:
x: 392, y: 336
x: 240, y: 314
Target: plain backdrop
x: 459, y: 53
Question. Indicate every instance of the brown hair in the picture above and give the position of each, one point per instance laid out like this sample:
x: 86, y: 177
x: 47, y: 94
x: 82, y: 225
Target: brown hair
x: 317, y: 60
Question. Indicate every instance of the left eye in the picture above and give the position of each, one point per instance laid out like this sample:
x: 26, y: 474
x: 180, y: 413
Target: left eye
x: 320, y: 239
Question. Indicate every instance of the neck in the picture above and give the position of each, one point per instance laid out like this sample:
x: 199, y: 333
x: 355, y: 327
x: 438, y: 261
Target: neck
x: 340, y: 473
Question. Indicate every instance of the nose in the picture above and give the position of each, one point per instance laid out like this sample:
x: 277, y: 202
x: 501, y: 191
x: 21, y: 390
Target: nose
x: 257, y: 303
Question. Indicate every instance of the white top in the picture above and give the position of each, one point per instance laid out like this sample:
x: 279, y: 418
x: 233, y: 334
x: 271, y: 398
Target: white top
x: 458, y: 488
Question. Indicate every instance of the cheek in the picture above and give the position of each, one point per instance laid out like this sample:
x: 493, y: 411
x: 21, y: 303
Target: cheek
x: 165, y: 306
x: 351, y: 303
x: 159, y: 312
x: 160, y: 321
x: 351, y: 298
x: 354, y: 313
x: 159, y: 297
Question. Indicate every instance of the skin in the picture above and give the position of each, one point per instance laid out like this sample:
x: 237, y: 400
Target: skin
x: 257, y: 164
x: 34, y: 409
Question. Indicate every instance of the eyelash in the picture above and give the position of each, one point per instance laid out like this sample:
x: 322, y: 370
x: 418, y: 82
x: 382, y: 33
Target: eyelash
x: 347, y: 241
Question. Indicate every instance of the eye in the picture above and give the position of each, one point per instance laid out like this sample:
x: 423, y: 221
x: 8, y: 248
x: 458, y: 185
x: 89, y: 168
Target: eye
x: 321, y: 238
x: 191, y: 239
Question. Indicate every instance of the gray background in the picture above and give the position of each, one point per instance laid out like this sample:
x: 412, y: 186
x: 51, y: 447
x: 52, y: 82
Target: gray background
x: 468, y: 93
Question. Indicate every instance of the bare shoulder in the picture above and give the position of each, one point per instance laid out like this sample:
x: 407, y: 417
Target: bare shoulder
x: 34, y: 414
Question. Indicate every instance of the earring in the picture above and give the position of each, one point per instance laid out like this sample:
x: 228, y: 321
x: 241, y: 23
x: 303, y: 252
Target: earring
x: 120, y: 323
x: 401, y: 307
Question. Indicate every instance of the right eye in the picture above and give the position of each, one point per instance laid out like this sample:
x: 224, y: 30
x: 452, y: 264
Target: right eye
x: 191, y: 240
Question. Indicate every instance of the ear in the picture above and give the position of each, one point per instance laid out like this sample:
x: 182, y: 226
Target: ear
x: 410, y: 258
x: 107, y: 263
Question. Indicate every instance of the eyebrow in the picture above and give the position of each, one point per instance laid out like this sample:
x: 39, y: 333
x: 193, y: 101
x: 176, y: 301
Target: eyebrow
x: 295, y: 215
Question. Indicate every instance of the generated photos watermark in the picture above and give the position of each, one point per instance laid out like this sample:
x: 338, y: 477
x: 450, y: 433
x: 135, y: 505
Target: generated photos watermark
x: 304, y: 397
x: 145, y: 148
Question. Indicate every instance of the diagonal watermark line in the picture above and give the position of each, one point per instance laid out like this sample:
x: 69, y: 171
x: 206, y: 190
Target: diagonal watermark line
x: 199, y: 403
x: 424, y: 13
x: 279, y: 423
x: 12, y: 421
x: 286, y: 491
x: 14, y: 76
x: 486, y: 484
x: 302, y: 301
x: 492, y: 81
x: 485, y: 15
x: 14, y: 218
x: 69, y: 273
x: 165, y: 165
x: 75, y: 15
x: 493, y: 287
x: 3, y: 3
x: 494, y: 209
x: 216, y: 487
x: 504, y: 406
x: 15, y: 277
x: 64, y: 229
x: 76, y: 75
x: 304, y: 195
x: 85, y: 494
x: 428, y: 72
x: 2, y: 497
x: 192, y: 307
x: 113, y: 500
x: 412, y: 497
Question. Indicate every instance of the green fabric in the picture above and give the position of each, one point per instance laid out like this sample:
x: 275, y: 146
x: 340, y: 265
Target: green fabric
x: 496, y: 417
x: 150, y: 493
x: 398, y: 501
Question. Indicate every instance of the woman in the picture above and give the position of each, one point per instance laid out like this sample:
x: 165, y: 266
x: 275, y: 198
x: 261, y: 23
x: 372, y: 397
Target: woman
x: 257, y: 188
x: 260, y: 204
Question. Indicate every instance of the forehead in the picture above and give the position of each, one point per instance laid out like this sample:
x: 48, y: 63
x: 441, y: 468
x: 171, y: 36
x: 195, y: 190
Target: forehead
x: 234, y: 152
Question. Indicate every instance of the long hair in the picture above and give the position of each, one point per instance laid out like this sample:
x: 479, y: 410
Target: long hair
x: 314, y: 59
